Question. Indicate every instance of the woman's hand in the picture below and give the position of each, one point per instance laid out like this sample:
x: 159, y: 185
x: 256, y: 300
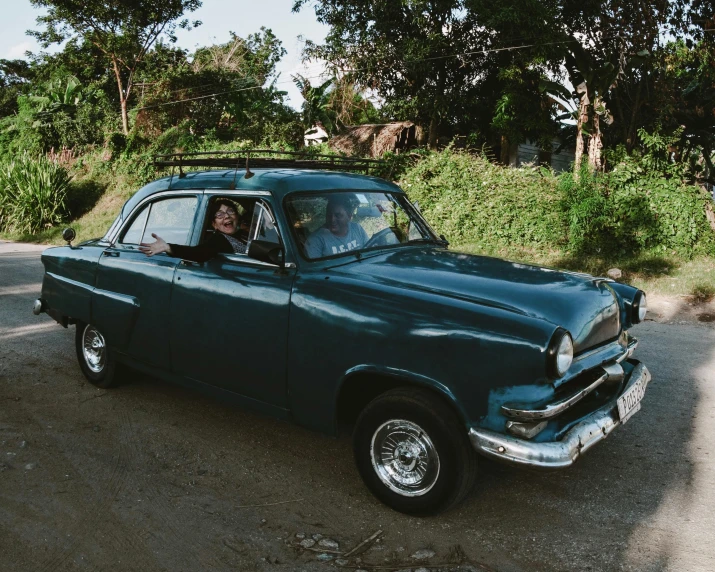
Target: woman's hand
x: 152, y: 248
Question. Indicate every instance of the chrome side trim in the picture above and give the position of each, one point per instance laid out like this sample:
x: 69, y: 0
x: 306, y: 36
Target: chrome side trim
x: 610, y: 371
x: 244, y: 259
x: 66, y: 280
x: 556, y: 454
x: 131, y: 300
x: 237, y: 193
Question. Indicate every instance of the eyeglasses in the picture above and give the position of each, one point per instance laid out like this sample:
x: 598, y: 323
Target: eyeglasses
x: 220, y: 215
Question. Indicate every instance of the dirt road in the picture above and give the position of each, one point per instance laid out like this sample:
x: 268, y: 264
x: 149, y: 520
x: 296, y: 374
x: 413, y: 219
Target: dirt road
x: 154, y: 477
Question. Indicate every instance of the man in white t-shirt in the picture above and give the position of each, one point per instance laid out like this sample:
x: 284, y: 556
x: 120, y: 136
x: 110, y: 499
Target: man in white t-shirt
x: 339, y: 234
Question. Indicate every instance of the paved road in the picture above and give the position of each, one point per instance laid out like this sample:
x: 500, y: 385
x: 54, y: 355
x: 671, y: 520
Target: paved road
x: 153, y: 477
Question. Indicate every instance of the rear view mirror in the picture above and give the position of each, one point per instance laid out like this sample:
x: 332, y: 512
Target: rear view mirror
x: 266, y: 251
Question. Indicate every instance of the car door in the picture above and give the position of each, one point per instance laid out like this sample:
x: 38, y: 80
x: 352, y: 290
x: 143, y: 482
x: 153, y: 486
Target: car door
x: 230, y: 318
x: 130, y: 303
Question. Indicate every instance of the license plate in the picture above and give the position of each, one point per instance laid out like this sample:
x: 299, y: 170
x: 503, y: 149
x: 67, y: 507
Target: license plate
x: 630, y: 402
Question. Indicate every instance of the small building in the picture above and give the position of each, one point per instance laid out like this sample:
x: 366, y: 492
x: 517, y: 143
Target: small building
x: 527, y: 152
x: 315, y: 136
x: 374, y: 139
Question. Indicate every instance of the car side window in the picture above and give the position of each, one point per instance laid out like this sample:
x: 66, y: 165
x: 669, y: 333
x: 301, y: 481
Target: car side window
x: 136, y: 230
x: 263, y: 225
x: 171, y: 219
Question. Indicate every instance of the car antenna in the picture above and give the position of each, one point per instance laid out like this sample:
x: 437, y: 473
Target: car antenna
x: 235, y: 172
x: 248, y: 174
x: 171, y: 179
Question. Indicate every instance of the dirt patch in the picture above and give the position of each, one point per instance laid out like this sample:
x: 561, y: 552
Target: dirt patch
x: 681, y: 310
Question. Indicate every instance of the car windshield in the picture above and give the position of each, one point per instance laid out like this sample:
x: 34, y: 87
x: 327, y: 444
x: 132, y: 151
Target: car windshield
x: 338, y: 222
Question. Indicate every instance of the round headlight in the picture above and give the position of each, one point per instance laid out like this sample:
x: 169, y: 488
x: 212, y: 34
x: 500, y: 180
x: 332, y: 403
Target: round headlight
x: 560, y: 354
x: 640, y: 308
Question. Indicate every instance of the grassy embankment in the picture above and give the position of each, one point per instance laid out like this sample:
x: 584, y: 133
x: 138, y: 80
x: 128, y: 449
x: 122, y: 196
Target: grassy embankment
x: 527, y: 215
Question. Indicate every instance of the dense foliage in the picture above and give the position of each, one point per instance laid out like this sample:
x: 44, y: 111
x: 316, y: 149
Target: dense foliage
x: 122, y: 30
x: 631, y: 210
x: 473, y: 68
x: 471, y: 200
x: 629, y: 84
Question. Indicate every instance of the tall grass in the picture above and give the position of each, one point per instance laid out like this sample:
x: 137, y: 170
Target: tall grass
x: 33, y: 193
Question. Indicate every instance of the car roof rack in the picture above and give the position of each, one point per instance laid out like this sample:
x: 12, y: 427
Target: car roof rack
x: 260, y: 158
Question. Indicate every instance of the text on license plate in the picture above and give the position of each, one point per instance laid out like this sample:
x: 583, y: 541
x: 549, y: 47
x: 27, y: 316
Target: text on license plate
x: 630, y: 402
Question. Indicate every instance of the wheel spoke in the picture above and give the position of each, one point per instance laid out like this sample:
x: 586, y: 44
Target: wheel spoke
x: 93, y: 349
x: 405, y: 458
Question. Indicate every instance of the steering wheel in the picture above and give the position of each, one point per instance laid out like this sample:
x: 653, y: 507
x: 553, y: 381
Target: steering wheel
x: 382, y: 238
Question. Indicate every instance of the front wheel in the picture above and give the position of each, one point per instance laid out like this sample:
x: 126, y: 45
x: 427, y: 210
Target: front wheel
x: 96, y: 360
x: 413, y: 453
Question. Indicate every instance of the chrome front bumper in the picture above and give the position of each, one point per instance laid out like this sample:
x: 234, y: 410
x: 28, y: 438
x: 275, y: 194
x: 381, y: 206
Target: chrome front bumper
x: 562, y: 453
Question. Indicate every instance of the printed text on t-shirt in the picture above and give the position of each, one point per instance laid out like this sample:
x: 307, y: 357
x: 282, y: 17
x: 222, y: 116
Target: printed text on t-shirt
x: 345, y: 247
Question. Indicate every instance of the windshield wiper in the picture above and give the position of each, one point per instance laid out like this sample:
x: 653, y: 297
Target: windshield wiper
x: 441, y: 241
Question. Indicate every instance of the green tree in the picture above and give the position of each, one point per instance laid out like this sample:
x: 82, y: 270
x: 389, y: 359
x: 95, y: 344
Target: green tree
x: 684, y: 105
x: 593, y: 81
x: 14, y: 76
x: 410, y: 66
x: 122, y: 30
x: 335, y: 104
x: 227, y: 90
x: 590, y: 42
x: 316, y: 106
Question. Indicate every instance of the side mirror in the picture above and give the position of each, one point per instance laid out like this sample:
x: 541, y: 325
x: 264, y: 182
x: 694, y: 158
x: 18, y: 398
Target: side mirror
x: 68, y: 235
x: 266, y: 251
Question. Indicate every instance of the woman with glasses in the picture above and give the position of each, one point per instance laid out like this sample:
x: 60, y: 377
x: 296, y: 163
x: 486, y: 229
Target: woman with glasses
x: 229, y: 237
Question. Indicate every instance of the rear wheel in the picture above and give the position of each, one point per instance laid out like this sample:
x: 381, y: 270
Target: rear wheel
x: 413, y: 453
x: 96, y: 360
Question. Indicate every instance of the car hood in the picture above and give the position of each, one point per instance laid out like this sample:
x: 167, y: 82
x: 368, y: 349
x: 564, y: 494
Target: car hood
x: 582, y: 304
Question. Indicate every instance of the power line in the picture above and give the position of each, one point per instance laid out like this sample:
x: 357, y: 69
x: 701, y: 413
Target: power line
x: 202, y: 86
x: 197, y: 98
x: 417, y: 60
x: 435, y: 58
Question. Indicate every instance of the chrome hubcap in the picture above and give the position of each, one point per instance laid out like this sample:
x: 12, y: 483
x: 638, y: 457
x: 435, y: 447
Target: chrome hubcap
x: 94, y: 349
x: 404, y: 457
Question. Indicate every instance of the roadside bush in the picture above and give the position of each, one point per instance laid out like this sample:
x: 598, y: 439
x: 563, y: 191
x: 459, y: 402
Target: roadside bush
x: 654, y: 212
x: 33, y: 193
x: 631, y: 210
x: 470, y: 200
x: 588, y: 213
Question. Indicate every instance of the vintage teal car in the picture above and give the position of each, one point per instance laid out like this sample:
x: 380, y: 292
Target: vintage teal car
x: 347, y: 311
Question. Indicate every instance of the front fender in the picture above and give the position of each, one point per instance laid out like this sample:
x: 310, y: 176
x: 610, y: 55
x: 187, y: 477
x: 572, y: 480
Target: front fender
x: 461, y: 349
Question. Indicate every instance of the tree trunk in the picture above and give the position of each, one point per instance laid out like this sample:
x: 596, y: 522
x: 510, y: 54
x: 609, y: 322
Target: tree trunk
x: 631, y: 134
x: 433, y: 133
x: 504, y: 155
x: 594, y: 145
x: 125, y: 117
x: 122, y: 97
x: 582, y: 118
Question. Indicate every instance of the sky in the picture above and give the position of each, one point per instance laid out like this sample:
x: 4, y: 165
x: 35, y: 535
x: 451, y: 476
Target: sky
x: 219, y: 17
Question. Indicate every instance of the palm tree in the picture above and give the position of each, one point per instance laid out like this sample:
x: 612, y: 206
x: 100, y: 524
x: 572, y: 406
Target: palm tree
x: 317, y: 108
x: 593, y: 79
